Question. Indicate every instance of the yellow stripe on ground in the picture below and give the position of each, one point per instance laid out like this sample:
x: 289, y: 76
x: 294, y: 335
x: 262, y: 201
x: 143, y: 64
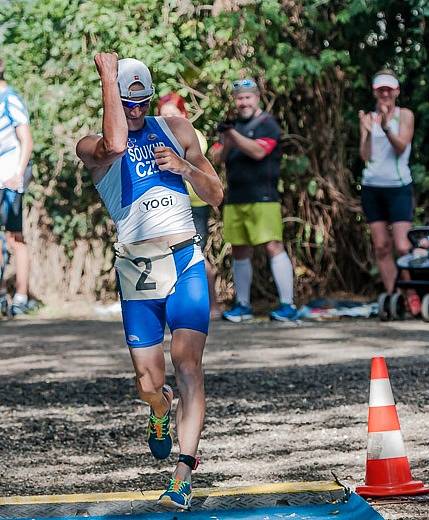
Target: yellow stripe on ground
x: 258, y: 489
x: 274, y: 489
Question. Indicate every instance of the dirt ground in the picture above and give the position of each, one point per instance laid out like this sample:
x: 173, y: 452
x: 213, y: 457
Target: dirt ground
x: 283, y: 404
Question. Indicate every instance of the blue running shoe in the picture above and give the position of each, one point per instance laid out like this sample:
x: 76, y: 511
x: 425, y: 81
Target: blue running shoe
x: 177, y: 495
x: 284, y: 312
x: 159, y: 430
x: 18, y: 309
x: 238, y: 313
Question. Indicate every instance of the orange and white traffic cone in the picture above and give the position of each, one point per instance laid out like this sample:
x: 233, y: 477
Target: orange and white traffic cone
x: 387, y: 468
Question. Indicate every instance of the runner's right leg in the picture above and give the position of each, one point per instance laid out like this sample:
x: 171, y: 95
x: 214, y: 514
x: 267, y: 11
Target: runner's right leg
x: 149, y: 365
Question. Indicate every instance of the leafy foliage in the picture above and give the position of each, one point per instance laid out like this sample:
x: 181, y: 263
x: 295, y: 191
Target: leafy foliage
x: 313, y: 60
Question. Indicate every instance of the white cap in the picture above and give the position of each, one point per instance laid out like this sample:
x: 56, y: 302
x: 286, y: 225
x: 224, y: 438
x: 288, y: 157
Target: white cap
x: 132, y: 71
x: 385, y: 80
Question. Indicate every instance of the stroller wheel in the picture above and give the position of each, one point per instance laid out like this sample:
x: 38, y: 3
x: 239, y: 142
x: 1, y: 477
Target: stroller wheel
x: 384, y: 307
x: 397, y: 306
x: 425, y: 307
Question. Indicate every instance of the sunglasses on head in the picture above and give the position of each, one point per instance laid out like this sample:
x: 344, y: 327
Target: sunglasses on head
x: 128, y: 103
x: 243, y: 83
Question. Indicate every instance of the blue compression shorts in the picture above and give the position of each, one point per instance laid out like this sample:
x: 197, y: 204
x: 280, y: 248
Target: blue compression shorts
x: 186, y: 307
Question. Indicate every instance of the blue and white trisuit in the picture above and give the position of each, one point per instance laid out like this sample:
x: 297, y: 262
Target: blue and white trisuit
x: 157, y: 285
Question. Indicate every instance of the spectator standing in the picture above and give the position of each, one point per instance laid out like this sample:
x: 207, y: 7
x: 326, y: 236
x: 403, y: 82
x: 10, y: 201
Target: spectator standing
x: 387, y: 190
x: 252, y: 213
x: 15, y: 150
x: 174, y: 105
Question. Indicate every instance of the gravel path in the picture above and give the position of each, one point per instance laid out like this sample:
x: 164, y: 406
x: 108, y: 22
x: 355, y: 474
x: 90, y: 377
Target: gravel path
x: 282, y: 404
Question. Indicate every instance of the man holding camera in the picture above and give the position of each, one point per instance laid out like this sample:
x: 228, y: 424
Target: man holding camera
x: 252, y: 214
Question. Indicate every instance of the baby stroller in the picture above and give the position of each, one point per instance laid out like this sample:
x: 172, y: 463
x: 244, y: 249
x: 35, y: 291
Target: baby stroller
x: 393, y: 306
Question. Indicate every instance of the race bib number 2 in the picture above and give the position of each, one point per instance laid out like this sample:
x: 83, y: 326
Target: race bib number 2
x: 145, y: 271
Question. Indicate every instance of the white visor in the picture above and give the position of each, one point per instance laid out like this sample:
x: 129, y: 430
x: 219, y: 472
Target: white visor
x: 132, y: 71
x: 385, y: 80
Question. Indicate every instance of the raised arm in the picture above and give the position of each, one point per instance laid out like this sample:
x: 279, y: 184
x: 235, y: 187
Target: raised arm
x: 365, y: 127
x: 99, y: 152
x: 194, y: 167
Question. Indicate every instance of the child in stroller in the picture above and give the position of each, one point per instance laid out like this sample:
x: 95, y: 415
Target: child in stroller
x: 393, y: 306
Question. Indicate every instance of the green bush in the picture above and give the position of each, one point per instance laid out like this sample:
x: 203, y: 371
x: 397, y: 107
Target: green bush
x: 313, y: 59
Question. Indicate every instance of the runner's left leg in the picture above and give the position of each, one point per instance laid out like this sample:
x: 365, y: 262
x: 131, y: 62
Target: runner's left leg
x: 186, y: 352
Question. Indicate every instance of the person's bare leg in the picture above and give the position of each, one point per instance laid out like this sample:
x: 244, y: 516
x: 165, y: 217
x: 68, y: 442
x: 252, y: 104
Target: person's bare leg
x: 402, y: 247
x: 242, y: 252
x: 383, y: 250
x: 400, y: 238
x: 186, y: 353
x: 19, y: 248
x: 149, y: 365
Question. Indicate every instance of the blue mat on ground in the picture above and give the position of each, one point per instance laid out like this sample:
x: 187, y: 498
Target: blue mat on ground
x: 354, y: 508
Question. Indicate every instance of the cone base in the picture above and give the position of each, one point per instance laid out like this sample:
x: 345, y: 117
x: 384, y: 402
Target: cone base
x: 414, y: 487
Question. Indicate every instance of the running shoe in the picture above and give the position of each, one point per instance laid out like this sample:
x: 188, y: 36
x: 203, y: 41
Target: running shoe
x: 238, y: 313
x: 285, y: 312
x: 414, y: 304
x: 177, y: 495
x: 159, y: 430
x: 24, y: 308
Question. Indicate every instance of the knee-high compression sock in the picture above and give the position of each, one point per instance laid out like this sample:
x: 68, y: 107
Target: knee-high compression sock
x: 282, y: 270
x: 242, y: 273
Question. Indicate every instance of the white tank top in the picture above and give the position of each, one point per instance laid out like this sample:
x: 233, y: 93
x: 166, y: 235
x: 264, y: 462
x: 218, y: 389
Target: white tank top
x: 143, y: 201
x: 12, y: 114
x: 385, y: 168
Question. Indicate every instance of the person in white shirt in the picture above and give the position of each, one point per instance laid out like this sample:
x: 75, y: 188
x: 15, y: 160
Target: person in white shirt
x: 387, y: 190
x: 15, y: 151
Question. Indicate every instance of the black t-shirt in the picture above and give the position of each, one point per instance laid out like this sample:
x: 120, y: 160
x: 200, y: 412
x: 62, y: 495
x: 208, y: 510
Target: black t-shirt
x: 250, y: 180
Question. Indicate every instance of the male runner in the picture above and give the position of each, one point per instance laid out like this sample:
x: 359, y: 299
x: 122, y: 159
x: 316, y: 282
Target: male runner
x: 139, y: 166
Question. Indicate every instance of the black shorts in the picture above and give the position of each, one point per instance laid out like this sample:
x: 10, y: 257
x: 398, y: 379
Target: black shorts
x: 388, y: 204
x: 11, y: 210
x: 201, y: 217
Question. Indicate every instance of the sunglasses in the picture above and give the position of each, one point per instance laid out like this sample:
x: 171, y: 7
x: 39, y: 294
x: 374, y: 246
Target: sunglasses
x: 243, y: 83
x: 127, y: 103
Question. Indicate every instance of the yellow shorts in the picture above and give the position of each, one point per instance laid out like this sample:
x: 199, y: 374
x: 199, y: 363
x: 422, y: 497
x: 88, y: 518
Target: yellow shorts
x: 253, y: 223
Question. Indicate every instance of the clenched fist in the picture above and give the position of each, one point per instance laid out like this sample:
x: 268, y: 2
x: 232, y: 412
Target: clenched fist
x: 107, y: 65
x: 167, y: 159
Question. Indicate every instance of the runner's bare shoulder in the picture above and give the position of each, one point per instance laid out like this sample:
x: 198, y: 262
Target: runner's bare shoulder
x: 182, y: 129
